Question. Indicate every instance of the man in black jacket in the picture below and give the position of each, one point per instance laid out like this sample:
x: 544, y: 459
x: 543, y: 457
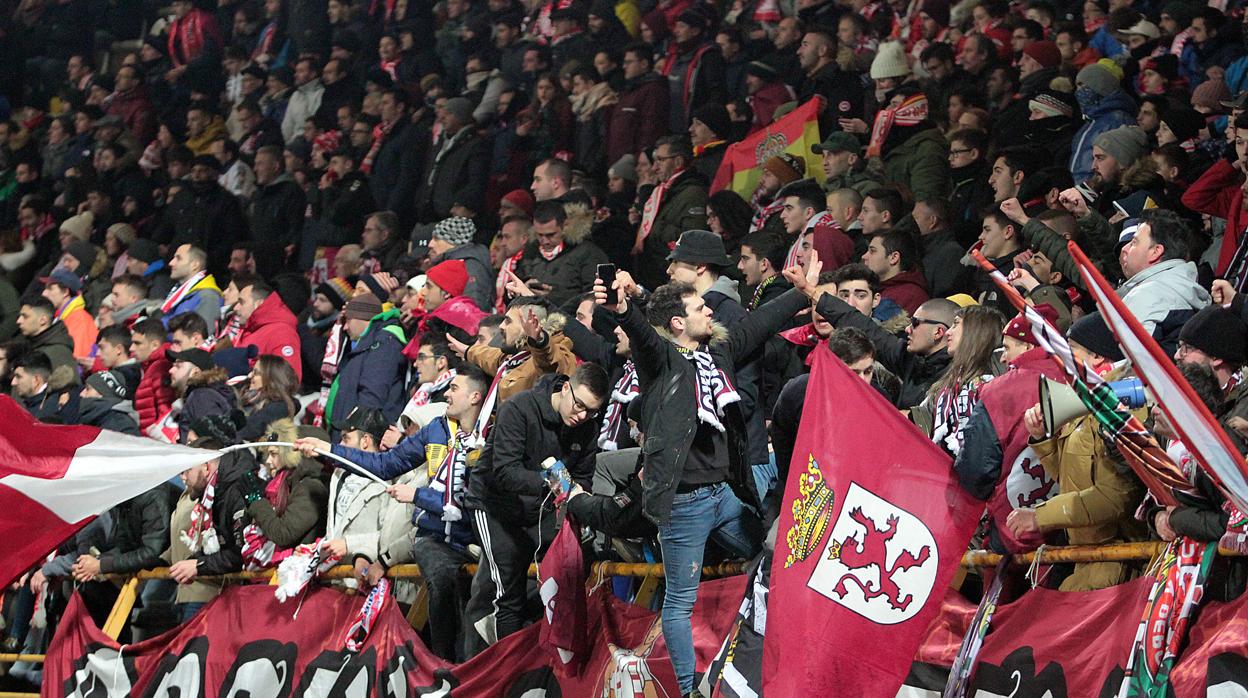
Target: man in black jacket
x: 456, y: 168
x: 697, y: 473
x: 513, y: 514
x: 222, y: 487
x: 393, y: 163
x: 277, y: 209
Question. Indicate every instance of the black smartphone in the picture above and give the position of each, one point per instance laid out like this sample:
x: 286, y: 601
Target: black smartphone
x: 606, y: 272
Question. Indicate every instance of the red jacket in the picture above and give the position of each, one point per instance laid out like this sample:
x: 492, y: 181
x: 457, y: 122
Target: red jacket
x: 154, y: 395
x: 640, y: 117
x: 135, y: 111
x: 1217, y: 192
x: 271, y: 329
x: 908, y: 289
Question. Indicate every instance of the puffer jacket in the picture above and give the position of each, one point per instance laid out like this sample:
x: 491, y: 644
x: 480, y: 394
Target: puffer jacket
x: 140, y: 531
x: 272, y: 330
x: 669, y: 421
x: 1118, y: 109
x: 921, y: 164
x: 1161, y: 289
x: 574, y: 269
x: 154, y: 395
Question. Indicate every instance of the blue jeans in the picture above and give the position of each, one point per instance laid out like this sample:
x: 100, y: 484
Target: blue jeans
x: 187, y: 611
x: 707, y: 512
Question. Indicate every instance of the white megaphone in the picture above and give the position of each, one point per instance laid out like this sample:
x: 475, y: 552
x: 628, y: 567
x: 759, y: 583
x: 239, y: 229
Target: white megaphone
x: 1060, y: 404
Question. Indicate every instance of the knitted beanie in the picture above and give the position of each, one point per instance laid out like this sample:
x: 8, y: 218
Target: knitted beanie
x: 450, y: 276
x: 1098, y: 78
x: 1126, y: 144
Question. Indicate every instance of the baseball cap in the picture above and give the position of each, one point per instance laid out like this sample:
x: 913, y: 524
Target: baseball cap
x: 837, y: 142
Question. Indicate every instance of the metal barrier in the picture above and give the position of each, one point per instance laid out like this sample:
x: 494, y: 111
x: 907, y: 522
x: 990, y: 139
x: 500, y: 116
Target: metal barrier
x: 1119, y: 552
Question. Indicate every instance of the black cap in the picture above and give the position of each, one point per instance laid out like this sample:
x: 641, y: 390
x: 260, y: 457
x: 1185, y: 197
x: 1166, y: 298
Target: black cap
x: 143, y: 250
x: 700, y: 247
x: 109, y: 384
x: 198, y: 357
x: 1218, y: 332
x: 1092, y: 332
x: 369, y: 420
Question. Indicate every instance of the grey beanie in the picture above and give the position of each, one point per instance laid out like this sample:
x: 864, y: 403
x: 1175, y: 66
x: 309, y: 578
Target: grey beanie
x: 1126, y: 144
x: 624, y: 168
x: 455, y: 230
x: 461, y: 108
x: 1097, y: 78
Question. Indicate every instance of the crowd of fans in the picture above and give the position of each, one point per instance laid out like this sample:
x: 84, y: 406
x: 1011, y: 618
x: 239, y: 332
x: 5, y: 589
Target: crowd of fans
x: 453, y: 241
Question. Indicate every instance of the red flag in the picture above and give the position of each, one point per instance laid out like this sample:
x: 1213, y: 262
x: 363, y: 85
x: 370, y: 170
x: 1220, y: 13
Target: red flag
x: 869, y: 538
x: 1215, y: 662
x: 54, y: 479
x: 561, y: 580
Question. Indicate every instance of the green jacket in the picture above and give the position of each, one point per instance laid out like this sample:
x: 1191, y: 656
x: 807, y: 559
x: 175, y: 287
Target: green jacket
x: 861, y: 181
x: 921, y: 164
x: 682, y: 208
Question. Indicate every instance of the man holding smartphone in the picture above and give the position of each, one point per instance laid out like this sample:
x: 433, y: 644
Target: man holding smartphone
x: 561, y: 261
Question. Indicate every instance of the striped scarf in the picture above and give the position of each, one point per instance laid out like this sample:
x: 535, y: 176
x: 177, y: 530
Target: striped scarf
x: 712, y: 389
x: 426, y: 390
x: 650, y: 211
x: 763, y: 213
x: 626, y: 389
x: 380, y: 131
x: 359, y: 629
x: 477, y: 438
x: 500, y: 284
x: 449, y: 480
x: 200, y: 535
x: 180, y: 292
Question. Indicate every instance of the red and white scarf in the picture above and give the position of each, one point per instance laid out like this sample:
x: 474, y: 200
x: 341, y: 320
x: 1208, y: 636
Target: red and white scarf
x: 626, y: 389
x: 651, y: 209
x: 500, y: 282
x: 763, y: 213
x: 201, y: 536
x: 179, y: 293
x: 357, y: 632
x: 911, y: 112
x: 426, y: 390
x: 300, y: 567
x: 549, y: 255
x: 380, y: 131
x: 329, y: 368
x: 477, y: 438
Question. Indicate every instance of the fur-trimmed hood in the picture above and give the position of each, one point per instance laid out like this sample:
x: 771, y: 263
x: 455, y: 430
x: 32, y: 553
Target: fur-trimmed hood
x: 62, y: 377
x: 719, y: 333
x: 579, y: 224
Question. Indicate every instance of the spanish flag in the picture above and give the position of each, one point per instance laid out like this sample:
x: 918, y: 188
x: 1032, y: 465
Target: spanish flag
x: 795, y: 133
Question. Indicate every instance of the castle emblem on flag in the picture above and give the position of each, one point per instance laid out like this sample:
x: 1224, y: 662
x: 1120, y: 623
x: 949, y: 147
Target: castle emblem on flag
x: 771, y: 145
x: 880, y: 561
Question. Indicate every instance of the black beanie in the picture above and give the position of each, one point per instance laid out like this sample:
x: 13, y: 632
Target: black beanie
x: 1092, y: 332
x: 1219, y: 333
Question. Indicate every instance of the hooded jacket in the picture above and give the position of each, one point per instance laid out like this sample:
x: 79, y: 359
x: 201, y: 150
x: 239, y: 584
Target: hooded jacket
x: 206, y: 394
x: 109, y: 413
x: 1161, y: 289
x: 271, y: 329
x: 154, y: 395
x: 56, y: 344
x: 574, y: 269
x: 908, y: 289
x: 372, y: 371
x: 303, y: 521
x: 1106, y: 114
x: 920, y: 163
x: 480, y: 286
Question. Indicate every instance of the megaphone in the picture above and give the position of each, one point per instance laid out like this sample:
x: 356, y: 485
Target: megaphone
x: 1060, y: 404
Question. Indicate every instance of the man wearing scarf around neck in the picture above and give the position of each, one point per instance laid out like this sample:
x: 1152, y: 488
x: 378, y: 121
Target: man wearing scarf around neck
x: 914, y: 152
x: 677, y: 204
x: 698, y: 477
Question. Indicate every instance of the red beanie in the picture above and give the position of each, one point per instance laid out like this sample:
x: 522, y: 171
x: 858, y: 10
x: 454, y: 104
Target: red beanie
x: 521, y: 199
x: 450, y: 276
x: 1045, y: 53
x: 1020, y: 327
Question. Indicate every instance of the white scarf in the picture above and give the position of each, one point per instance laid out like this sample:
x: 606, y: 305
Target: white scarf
x: 201, y: 536
x: 177, y: 295
x: 477, y: 438
x: 713, y: 390
x: 651, y: 210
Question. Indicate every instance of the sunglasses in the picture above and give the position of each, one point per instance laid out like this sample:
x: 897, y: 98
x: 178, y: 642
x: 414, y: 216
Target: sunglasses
x: 915, y: 322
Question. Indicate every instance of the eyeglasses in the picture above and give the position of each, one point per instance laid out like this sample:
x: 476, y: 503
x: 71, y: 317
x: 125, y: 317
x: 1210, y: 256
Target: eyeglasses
x: 916, y: 321
x: 662, y: 158
x: 425, y: 357
x: 1185, y: 349
x: 959, y: 151
x: 582, y: 407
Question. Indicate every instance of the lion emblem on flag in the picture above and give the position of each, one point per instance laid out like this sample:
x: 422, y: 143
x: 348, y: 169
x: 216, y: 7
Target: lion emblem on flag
x: 880, y: 561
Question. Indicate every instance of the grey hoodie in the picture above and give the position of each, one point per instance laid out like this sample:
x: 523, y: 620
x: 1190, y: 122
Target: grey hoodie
x: 1155, y: 292
x: 480, y: 286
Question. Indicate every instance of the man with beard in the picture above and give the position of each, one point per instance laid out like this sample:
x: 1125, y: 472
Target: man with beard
x: 778, y: 172
x: 843, y: 93
x: 197, y: 290
x: 327, y: 302
x: 200, y: 387
x: 530, y: 343
x: 36, y: 322
x: 452, y: 240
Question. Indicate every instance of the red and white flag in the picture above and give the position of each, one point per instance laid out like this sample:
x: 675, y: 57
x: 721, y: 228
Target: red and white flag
x: 1196, y: 426
x: 870, y: 535
x: 54, y: 479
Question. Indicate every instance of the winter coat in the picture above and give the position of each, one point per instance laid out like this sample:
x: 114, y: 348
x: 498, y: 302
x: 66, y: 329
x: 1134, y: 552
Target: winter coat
x: 134, y: 108
x: 56, y: 344
x: 1118, y: 109
x: 259, y: 419
x: 271, y: 329
x: 843, y: 94
x: 920, y: 164
x: 455, y: 173
x: 109, y: 413
x: 140, y: 531
x: 908, y: 289
x: 996, y: 463
x: 971, y: 195
x: 198, y: 590
x: 571, y: 272
x: 81, y: 327
x: 1096, y: 503
x: 639, y: 118
x: 236, y: 476
x: 154, y: 396
x: 338, y: 215
x: 695, y: 76
x: 480, y: 286
x: 306, y: 510
x: 1161, y: 289
x: 1218, y: 192
x: 276, y: 214
x: 670, y: 421
x: 397, y: 168
x: 507, y: 481
x: 682, y: 208
x: 204, y: 300
x: 206, y: 394
x: 551, y: 353
x: 707, y: 162
x: 304, y: 102
x: 211, y: 220
x: 362, y: 519
x: 942, y: 268
x: 371, y: 372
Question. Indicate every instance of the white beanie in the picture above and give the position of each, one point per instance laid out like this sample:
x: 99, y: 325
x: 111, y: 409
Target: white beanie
x: 890, y: 61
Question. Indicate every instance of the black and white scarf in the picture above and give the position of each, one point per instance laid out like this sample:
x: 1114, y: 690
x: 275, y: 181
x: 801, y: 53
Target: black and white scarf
x: 449, y: 479
x: 713, y: 390
x: 626, y: 389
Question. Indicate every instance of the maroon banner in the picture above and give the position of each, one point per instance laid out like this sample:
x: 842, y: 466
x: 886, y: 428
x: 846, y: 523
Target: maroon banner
x: 246, y: 643
x: 1215, y: 662
x: 1066, y: 643
x: 872, y: 529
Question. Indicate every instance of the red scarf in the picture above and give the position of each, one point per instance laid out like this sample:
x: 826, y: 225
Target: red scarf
x: 380, y: 131
x: 691, y: 71
x: 911, y: 112
x: 189, y: 35
x: 651, y: 210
